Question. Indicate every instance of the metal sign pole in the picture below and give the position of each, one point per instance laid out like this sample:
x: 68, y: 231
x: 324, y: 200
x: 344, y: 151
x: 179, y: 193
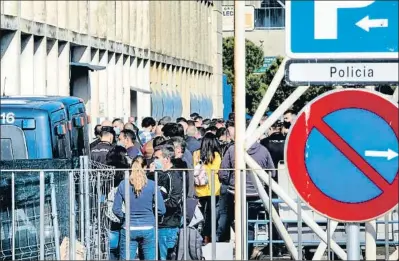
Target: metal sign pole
x: 353, y: 242
x: 239, y: 109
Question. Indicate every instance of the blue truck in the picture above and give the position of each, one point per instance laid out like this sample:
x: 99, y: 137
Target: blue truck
x: 43, y: 127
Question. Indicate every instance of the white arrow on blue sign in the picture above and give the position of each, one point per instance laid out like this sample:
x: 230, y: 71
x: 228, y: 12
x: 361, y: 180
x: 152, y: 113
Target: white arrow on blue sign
x: 342, y: 29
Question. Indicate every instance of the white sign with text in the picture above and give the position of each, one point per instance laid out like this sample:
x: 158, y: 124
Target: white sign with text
x: 342, y: 72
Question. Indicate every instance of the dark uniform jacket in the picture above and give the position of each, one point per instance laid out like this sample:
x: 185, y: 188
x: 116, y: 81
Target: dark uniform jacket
x: 100, y: 151
x: 275, y: 145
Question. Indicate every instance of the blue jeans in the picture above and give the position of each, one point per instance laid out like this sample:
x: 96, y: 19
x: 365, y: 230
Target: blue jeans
x: 114, y: 244
x: 226, y: 214
x: 167, y: 238
x: 145, y: 239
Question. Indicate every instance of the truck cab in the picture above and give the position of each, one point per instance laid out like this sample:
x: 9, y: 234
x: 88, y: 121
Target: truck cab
x: 33, y: 130
x: 78, y: 120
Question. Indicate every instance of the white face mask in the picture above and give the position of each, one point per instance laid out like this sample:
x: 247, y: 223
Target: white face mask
x: 117, y: 131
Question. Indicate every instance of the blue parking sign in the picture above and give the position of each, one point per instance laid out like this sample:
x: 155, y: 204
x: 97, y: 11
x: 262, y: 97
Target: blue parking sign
x: 342, y: 29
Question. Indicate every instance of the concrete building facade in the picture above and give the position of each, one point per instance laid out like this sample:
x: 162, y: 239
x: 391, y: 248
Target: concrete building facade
x: 123, y: 58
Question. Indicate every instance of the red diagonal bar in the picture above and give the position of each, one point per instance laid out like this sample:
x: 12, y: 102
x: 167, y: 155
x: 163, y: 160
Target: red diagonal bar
x: 352, y: 155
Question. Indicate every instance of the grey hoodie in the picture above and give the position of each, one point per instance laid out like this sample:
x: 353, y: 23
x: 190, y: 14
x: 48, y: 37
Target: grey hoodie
x: 259, y: 153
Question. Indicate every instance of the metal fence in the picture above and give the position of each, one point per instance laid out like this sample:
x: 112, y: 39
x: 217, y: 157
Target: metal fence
x: 267, y: 18
x: 45, y: 203
x: 37, y: 221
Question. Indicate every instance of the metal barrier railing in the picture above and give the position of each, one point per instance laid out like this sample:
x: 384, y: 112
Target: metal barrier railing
x: 48, y: 206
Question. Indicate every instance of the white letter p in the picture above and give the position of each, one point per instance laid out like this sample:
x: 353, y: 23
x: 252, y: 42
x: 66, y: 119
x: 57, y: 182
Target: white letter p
x: 326, y: 13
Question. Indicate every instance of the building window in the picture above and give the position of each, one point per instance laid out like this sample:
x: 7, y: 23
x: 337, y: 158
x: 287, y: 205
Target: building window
x: 270, y: 18
x: 272, y: 3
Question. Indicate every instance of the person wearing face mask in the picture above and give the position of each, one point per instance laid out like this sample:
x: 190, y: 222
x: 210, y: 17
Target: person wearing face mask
x: 148, y: 126
x: 289, y: 118
x: 99, y: 152
x: 118, y: 126
x: 170, y: 182
x: 126, y: 140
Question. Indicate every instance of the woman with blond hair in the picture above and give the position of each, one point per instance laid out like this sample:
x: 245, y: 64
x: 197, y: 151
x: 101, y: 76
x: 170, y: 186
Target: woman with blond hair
x: 142, y: 220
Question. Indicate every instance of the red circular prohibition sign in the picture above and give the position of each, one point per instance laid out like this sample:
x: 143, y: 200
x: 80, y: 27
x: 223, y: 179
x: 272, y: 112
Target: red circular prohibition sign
x: 295, y: 155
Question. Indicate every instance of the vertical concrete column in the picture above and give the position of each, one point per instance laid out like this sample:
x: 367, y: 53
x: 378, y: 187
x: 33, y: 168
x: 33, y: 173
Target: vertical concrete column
x: 152, y: 26
x: 103, y: 84
x: 162, y: 27
x: 62, y: 12
x: 11, y: 8
x: 111, y: 85
x: 118, y: 21
x: 133, y: 72
x: 178, y: 32
x: 63, y: 68
x: 158, y: 25
x: 93, y: 19
x: 111, y: 20
x: 125, y: 23
x: 146, y: 24
x: 126, y: 86
x: 146, y: 85
x: 51, y: 12
x: 172, y: 30
x: 139, y: 95
x: 180, y: 87
x: 139, y: 73
x: 27, y: 64
x: 102, y: 19
x: 168, y: 77
x: 118, y: 85
x: 132, y: 83
x: 73, y: 16
x: 201, y: 37
x: 9, y: 63
x: 52, y: 64
x: 94, y: 85
x: 173, y: 80
x: 134, y: 15
x: 212, y: 35
x: 193, y: 28
x: 83, y: 16
x: 153, y: 76
x: 40, y: 65
x: 39, y: 11
x: 196, y: 83
x: 163, y: 76
x: 182, y: 29
x: 186, y: 92
x: 169, y: 26
x: 191, y: 87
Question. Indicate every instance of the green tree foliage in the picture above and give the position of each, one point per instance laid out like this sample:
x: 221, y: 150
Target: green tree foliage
x: 254, y: 60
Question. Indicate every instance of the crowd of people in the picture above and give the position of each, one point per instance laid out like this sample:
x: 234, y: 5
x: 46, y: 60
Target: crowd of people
x: 194, y: 148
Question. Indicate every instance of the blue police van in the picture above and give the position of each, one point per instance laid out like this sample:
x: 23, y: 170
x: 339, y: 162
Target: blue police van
x: 78, y: 120
x: 33, y: 130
